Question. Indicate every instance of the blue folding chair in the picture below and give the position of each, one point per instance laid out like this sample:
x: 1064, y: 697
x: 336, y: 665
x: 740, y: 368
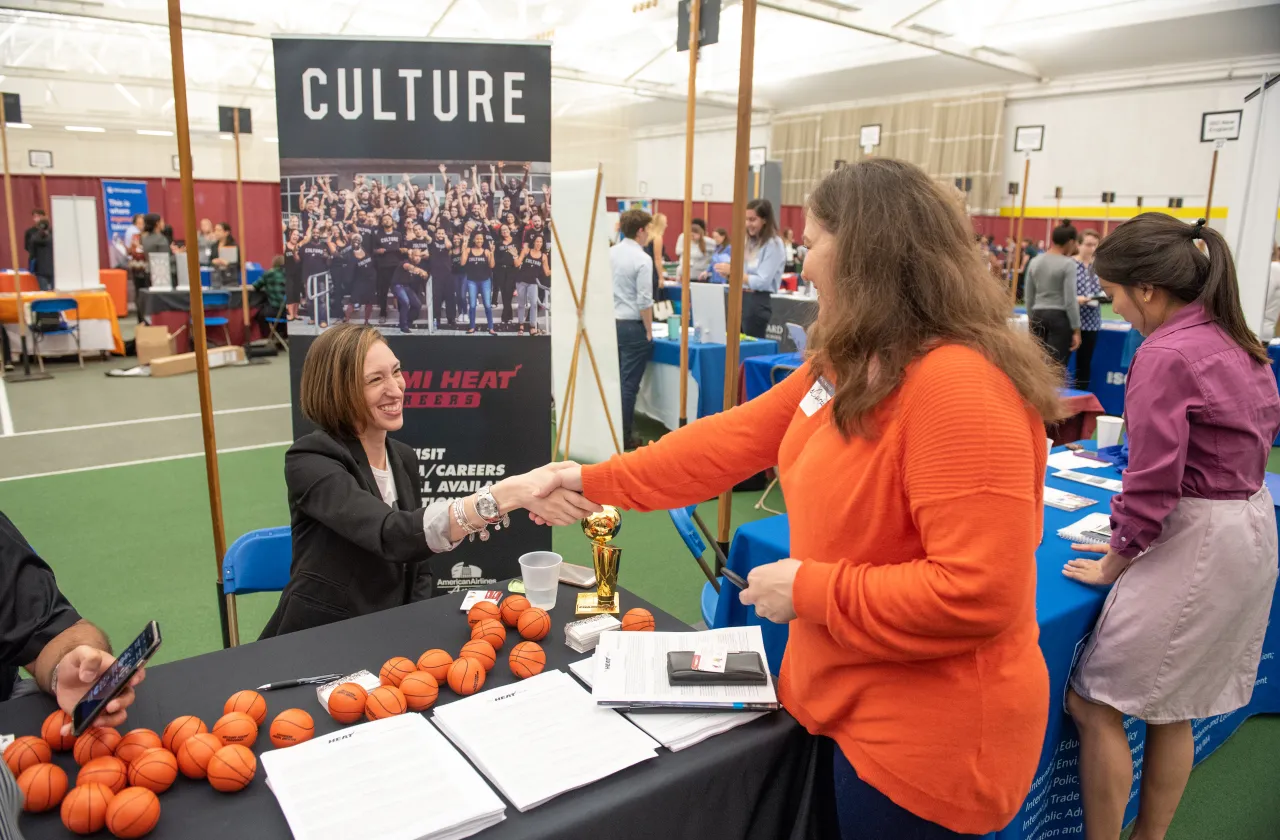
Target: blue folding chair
x: 40, y: 329
x: 258, y: 561
x: 217, y: 302
x: 688, y: 524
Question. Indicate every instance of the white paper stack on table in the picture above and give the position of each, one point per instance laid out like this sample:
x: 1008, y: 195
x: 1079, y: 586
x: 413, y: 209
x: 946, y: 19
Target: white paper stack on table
x: 582, y: 636
x: 542, y: 737
x: 631, y: 671
x: 1094, y: 529
x: 674, y: 730
x: 395, y: 779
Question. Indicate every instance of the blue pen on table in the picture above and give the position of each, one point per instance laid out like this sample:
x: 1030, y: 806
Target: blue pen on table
x: 320, y: 680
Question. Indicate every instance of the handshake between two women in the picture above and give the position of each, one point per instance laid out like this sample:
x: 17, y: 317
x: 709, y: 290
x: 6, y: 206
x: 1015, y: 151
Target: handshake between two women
x: 552, y: 494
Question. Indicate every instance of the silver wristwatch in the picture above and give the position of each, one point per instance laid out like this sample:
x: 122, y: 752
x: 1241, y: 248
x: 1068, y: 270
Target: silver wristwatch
x: 487, y: 508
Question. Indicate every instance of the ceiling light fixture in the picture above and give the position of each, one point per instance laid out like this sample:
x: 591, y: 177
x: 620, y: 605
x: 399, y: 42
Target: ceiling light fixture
x: 92, y: 129
x: 17, y: 125
x: 152, y: 132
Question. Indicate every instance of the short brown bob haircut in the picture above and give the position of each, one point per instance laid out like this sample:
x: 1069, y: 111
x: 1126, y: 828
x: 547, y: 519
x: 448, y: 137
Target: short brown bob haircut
x: 333, y: 378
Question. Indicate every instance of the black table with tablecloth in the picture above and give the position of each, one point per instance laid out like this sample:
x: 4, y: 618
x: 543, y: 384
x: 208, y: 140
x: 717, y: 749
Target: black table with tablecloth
x: 171, y: 308
x: 756, y: 781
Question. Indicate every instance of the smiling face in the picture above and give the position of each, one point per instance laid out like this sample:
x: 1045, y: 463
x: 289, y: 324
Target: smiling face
x: 754, y: 223
x: 383, y: 389
x: 820, y: 261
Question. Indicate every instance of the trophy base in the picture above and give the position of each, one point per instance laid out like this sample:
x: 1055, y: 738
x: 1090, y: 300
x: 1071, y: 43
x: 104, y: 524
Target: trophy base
x: 589, y: 604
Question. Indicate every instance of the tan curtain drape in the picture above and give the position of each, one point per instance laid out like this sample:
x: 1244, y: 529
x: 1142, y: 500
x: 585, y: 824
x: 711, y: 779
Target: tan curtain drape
x: 948, y: 138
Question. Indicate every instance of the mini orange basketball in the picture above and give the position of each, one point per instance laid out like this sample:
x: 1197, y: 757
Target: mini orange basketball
x: 527, y: 659
x: 481, y: 651
x: 194, y: 755
x: 346, y: 703
x: 232, y: 768
x: 27, y: 751
x: 385, y: 701
x: 637, y: 619
x: 482, y: 610
x: 132, y: 812
x: 154, y: 770
x: 95, y: 743
x: 42, y: 786
x: 466, y: 676
x: 491, y: 631
x: 179, y: 730
x: 135, y: 742
x: 236, y: 728
x: 534, y: 624
x: 395, y: 669
x: 250, y: 702
x: 51, y: 731
x: 420, y: 690
x: 108, y: 770
x: 511, y: 607
x: 292, y: 726
x: 84, y: 810
x: 436, y: 662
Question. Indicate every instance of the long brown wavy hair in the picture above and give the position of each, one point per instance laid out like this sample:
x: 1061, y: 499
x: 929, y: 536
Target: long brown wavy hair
x: 906, y: 278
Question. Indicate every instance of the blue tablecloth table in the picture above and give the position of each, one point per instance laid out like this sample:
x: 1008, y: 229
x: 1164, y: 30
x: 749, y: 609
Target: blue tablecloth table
x: 660, y: 392
x: 1066, y: 612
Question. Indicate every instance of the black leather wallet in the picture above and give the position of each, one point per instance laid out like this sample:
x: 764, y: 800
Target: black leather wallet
x: 741, y: 668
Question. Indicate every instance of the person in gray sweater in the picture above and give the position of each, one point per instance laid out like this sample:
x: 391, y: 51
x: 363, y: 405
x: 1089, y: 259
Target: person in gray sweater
x: 1052, y: 307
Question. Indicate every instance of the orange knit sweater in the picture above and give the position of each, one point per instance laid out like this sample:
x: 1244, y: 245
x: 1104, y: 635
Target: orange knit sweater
x: 915, y: 646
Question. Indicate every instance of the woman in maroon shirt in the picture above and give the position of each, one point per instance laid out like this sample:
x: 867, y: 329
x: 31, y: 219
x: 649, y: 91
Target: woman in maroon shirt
x: 1193, y: 546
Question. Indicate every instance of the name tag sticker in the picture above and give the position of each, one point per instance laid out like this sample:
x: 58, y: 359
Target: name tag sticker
x: 819, y: 395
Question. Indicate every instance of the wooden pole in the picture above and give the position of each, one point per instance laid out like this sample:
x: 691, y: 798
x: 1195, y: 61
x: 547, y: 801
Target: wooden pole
x: 1213, y: 172
x: 1106, y: 219
x: 691, y: 108
x: 227, y: 603
x: 17, y: 266
x: 244, y: 285
x: 746, y: 65
x: 706, y: 214
x: 44, y: 192
x: 1017, y: 254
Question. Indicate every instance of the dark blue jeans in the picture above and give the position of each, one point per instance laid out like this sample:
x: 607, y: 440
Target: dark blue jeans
x: 867, y: 814
x: 410, y: 306
x: 482, y: 289
x: 634, y: 350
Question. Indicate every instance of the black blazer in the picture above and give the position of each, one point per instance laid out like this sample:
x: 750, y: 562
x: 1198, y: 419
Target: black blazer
x: 352, y: 555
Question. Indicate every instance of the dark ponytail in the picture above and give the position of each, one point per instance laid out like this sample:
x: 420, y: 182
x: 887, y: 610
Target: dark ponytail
x: 1156, y: 250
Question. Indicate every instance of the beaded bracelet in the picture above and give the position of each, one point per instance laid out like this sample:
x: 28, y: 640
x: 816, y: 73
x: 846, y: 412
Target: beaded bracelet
x: 460, y: 516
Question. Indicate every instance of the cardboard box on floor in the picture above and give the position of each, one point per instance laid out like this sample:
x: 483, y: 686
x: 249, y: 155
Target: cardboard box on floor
x: 186, y: 362
x: 154, y: 343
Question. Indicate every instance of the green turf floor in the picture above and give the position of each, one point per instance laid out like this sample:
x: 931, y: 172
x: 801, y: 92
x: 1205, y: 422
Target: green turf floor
x: 133, y: 543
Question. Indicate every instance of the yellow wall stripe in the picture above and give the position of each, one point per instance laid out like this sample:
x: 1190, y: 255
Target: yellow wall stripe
x: 1118, y: 212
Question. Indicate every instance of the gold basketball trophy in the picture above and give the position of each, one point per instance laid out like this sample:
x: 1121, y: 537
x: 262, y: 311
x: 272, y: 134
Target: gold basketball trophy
x: 601, y: 528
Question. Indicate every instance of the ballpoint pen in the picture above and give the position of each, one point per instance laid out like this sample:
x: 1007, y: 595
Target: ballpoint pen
x: 320, y: 680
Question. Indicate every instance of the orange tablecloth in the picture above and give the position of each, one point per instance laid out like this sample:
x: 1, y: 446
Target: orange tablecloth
x: 26, y: 278
x: 94, y: 305
x: 116, y: 282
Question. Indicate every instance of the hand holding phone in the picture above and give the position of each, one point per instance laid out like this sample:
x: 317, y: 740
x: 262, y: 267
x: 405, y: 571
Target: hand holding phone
x: 112, y: 689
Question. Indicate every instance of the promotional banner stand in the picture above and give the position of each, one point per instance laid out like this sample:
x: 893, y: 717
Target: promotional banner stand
x: 27, y: 374
x: 580, y: 337
x: 226, y: 603
x: 244, y: 260
x: 737, y: 258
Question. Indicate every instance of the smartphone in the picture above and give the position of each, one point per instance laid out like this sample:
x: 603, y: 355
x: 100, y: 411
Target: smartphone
x: 734, y: 578
x: 115, y: 679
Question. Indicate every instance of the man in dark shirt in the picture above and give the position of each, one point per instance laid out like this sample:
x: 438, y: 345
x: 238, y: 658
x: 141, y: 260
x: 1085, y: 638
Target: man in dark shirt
x: 387, y: 243
x: 42, y: 632
x: 39, y: 242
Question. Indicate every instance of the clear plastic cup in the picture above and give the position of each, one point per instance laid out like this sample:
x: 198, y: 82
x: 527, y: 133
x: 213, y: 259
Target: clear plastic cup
x: 1109, y: 430
x: 541, y: 573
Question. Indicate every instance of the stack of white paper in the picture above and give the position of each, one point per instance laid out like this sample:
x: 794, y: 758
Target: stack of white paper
x: 542, y: 737
x: 631, y: 671
x: 674, y: 730
x: 396, y: 779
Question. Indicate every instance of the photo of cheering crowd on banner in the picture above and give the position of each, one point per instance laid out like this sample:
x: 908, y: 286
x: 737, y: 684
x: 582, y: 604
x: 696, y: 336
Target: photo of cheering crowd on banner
x: 464, y: 248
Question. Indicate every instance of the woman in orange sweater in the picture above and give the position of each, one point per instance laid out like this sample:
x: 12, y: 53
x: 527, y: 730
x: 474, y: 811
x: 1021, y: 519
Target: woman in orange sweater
x: 911, y: 448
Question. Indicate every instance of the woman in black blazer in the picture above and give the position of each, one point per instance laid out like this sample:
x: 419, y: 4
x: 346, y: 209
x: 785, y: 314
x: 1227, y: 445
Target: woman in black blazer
x: 360, y: 540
